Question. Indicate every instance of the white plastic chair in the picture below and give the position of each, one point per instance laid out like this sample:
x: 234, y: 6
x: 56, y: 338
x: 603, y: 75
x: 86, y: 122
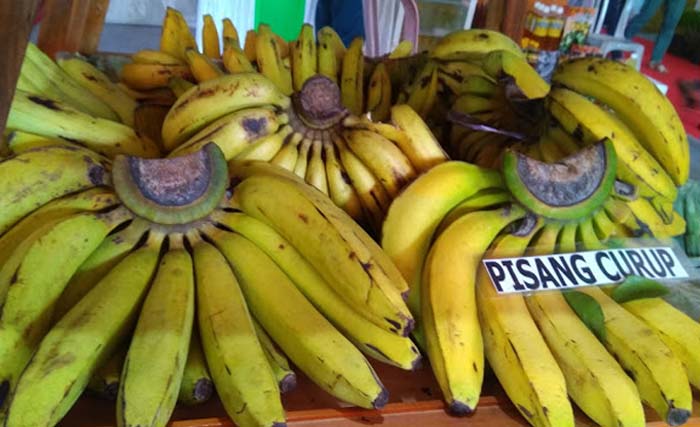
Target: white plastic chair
x: 617, y: 41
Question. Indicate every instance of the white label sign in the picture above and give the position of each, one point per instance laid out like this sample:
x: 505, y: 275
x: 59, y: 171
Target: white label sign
x: 592, y: 268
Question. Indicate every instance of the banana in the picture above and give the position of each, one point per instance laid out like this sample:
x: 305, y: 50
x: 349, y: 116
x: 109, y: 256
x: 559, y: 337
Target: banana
x: 473, y: 44
x: 234, y: 59
x: 149, y: 56
x: 351, y: 78
x: 587, y: 237
x: 250, y: 45
x: 179, y: 86
x: 19, y: 142
x: 202, y: 67
x: 197, y: 386
x: 100, y: 86
x: 651, y: 221
x: 473, y: 104
x: 210, y: 38
x: 37, y: 283
x: 566, y: 240
x: 331, y: 52
x: 677, y: 330
x: 49, y: 118
x: 636, y: 101
x: 235, y: 132
x: 53, y: 82
x: 516, y: 350
x: 379, y: 94
x: 448, y: 304
x: 286, y: 378
x: 302, y: 158
x: 480, y: 85
x: 269, y: 59
x: 287, y: 156
x: 575, y: 113
x: 36, y: 177
x: 621, y: 215
x: 82, y: 340
x: 103, y: 259
x: 346, y: 260
x: 229, y: 340
x: 176, y: 35
x: 216, y: 98
x: 340, y: 186
x: 423, y: 94
x: 371, y: 339
x: 266, y: 147
x: 104, y: 383
x: 551, y: 152
x: 316, y: 170
x: 382, y: 157
x: 454, y: 74
x: 604, y: 228
x: 303, y: 55
x: 566, y: 142
x: 407, y: 231
x: 526, y: 82
x: 660, y: 377
x: 309, y: 340
x: 402, y: 50
x: 230, y: 32
x: 422, y: 149
x: 595, y: 380
x: 152, y: 76
x: 150, y: 381
x: 371, y: 192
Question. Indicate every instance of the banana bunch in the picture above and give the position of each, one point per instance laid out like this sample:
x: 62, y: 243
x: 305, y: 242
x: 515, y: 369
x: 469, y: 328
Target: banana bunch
x: 542, y: 353
x: 361, y: 164
x: 103, y: 259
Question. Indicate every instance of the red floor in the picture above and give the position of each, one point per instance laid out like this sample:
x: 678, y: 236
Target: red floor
x: 679, y: 69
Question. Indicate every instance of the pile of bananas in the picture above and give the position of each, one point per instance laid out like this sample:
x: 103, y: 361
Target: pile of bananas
x: 241, y: 186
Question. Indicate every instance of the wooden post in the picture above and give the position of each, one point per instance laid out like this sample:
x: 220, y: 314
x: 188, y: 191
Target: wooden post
x: 16, y: 21
x: 93, y: 26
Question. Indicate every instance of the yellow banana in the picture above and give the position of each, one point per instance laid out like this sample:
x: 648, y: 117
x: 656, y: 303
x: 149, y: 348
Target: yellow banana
x: 152, y: 76
x: 516, y: 350
x: 286, y: 378
x: 36, y: 285
x: 46, y: 117
x: 636, y: 165
x: 595, y: 380
x: 424, y: 92
x: 368, y: 337
x: 197, y: 386
x: 402, y: 50
x: 234, y: 132
x: 104, y: 383
x: 210, y: 38
x: 287, y: 156
x: 250, y: 46
x: 638, y: 103
x: 150, y: 381
x: 309, y: 340
x: 269, y: 59
x: 651, y: 221
x: 448, y: 304
x: 382, y: 157
x: 503, y: 64
x: 39, y: 176
x: 407, y: 231
x: 316, y: 170
x: 230, y: 32
x: 340, y: 186
x: 303, y: 54
x: 266, y: 147
x: 216, y: 98
x: 202, y: 67
x: 302, y: 158
x: 234, y: 59
x: 176, y: 35
x: 83, y: 340
x: 331, y: 52
x: 99, y: 85
x: 249, y: 393
x: 472, y: 44
x: 351, y: 78
x: 179, y: 85
x: 660, y: 377
x: 379, y: 94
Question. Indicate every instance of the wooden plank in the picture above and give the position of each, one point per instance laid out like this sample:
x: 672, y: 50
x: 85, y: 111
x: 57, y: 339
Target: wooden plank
x: 93, y: 26
x: 16, y: 21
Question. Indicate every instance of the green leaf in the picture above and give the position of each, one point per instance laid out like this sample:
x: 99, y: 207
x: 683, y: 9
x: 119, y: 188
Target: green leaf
x: 637, y: 287
x: 588, y: 310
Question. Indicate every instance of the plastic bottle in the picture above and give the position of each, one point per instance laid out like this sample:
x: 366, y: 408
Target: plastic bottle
x: 541, y: 26
x: 556, y: 27
x: 530, y: 21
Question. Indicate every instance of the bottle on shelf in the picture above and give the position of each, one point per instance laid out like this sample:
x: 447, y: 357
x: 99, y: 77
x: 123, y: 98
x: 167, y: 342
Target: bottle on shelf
x: 556, y: 27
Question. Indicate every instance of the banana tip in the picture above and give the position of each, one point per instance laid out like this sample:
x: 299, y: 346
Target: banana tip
x: 410, y: 324
x: 677, y: 416
x: 288, y: 383
x: 459, y: 409
x: 381, y: 400
x: 203, y: 390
